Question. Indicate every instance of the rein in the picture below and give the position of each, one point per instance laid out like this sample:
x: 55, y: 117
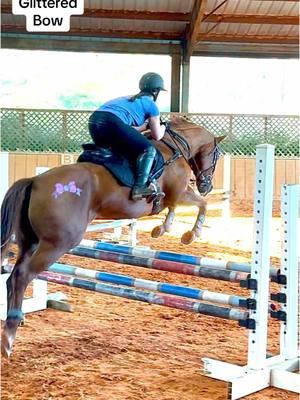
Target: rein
x: 177, y: 152
x: 180, y: 145
x: 179, y: 140
x: 181, y: 148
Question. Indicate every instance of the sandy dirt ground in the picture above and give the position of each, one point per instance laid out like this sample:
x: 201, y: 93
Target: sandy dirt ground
x: 116, y: 349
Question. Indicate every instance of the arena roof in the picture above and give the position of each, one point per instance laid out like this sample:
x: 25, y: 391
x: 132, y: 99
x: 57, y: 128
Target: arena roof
x: 255, y: 28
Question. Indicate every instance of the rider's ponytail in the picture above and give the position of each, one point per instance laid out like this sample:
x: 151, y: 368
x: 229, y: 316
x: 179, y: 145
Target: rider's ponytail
x: 139, y: 95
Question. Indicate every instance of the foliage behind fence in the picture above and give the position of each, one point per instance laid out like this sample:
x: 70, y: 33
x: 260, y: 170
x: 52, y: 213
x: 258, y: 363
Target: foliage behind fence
x: 65, y: 131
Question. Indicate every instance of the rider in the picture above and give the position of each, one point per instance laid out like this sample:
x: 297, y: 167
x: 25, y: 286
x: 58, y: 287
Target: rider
x: 119, y: 124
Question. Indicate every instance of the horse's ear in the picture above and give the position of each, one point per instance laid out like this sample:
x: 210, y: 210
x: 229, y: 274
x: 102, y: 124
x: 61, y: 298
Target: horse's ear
x: 220, y: 138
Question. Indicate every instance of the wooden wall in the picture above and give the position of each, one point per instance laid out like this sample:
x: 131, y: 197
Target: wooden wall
x: 242, y: 171
x: 22, y: 165
x: 243, y: 175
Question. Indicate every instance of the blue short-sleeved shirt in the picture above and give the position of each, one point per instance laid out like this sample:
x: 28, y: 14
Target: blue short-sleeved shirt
x: 132, y: 113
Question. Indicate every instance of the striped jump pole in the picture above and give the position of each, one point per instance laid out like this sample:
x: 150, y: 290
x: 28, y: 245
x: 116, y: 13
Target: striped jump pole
x: 147, y: 297
x: 162, y: 287
x: 102, y: 226
x: 174, y: 257
x: 161, y: 265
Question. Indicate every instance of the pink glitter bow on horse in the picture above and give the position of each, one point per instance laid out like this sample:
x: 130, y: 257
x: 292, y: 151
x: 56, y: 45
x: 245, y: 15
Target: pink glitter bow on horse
x: 71, y: 187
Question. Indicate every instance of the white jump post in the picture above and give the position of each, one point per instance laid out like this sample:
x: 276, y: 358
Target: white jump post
x: 263, y: 201
x: 283, y: 376
x: 289, y: 259
x: 260, y: 371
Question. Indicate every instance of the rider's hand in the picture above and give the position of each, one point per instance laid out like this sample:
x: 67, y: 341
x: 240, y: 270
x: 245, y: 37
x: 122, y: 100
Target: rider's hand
x: 163, y: 130
x: 141, y: 128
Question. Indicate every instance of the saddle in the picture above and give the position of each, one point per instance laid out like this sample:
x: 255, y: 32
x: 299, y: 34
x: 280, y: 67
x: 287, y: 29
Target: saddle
x: 119, y: 166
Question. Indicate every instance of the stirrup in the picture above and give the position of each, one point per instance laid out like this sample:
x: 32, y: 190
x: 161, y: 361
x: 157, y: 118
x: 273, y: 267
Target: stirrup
x: 156, y: 197
x: 152, y: 192
x: 140, y: 192
x: 158, y: 193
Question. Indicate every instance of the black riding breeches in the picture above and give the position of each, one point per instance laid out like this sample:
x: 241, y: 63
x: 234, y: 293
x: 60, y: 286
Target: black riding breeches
x: 108, y: 130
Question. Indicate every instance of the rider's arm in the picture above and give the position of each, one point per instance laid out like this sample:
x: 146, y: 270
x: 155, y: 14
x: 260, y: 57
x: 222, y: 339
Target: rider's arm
x: 141, y: 128
x: 157, y: 130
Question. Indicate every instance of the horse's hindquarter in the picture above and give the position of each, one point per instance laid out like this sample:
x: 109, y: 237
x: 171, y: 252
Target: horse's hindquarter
x: 60, y: 200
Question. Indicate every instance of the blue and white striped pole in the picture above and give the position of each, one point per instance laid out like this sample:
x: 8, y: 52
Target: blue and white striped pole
x: 169, y: 256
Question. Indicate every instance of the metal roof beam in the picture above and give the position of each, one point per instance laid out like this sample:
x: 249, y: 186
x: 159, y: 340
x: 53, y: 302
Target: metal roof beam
x: 123, y: 14
x: 84, y: 44
x: 248, y: 38
x: 141, y: 15
x: 168, y: 36
x: 252, y: 19
x: 194, y: 28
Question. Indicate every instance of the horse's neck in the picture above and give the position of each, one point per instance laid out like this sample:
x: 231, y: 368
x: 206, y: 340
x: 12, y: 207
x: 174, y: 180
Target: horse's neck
x: 189, y: 135
x: 164, y: 149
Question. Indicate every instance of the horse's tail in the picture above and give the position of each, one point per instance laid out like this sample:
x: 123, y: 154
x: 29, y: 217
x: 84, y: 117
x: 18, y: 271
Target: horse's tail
x: 14, y: 211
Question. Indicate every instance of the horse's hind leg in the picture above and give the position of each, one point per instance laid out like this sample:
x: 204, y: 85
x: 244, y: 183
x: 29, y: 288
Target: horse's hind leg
x: 27, y: 267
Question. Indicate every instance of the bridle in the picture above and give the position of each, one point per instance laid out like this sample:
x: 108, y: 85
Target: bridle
x: 182, y: 149
x: 203, y: 174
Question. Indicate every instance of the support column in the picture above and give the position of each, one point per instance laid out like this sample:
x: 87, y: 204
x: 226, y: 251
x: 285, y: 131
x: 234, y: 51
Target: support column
x: 175, y: 82
x: 185, y: 85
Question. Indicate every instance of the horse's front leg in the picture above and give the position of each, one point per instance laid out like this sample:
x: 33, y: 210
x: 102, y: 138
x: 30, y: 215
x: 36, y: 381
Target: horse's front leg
x: 166, y: 226
x: 190, y: 198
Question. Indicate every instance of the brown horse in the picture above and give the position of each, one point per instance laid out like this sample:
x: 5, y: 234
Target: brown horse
x: 49, y: 213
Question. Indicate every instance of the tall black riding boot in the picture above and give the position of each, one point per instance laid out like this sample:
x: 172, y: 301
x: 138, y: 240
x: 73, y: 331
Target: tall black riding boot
x: 144, y: 165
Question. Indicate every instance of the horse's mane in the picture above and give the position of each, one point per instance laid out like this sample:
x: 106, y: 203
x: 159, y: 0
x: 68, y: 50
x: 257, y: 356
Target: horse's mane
x: 181, y: 123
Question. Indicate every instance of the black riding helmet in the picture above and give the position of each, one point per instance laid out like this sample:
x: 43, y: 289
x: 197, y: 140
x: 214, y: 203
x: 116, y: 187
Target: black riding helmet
x: 151, y: 82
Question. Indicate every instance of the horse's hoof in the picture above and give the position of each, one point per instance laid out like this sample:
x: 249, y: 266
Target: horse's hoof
x: 157, y: 231
x: 188, y: 237
x: 6, y: 346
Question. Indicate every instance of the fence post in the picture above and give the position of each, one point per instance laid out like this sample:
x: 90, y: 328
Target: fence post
x: 230, y: 134
x: 22, y: 126
x: 64, y: 131
x: 266, y: 129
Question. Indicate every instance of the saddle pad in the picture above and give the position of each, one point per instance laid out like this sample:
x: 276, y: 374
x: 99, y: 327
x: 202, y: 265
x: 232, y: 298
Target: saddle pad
x: 118, y: 165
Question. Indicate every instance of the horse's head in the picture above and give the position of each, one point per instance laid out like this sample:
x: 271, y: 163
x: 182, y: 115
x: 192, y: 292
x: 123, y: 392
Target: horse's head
x: 202, y: 152
x: 204, y: 163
